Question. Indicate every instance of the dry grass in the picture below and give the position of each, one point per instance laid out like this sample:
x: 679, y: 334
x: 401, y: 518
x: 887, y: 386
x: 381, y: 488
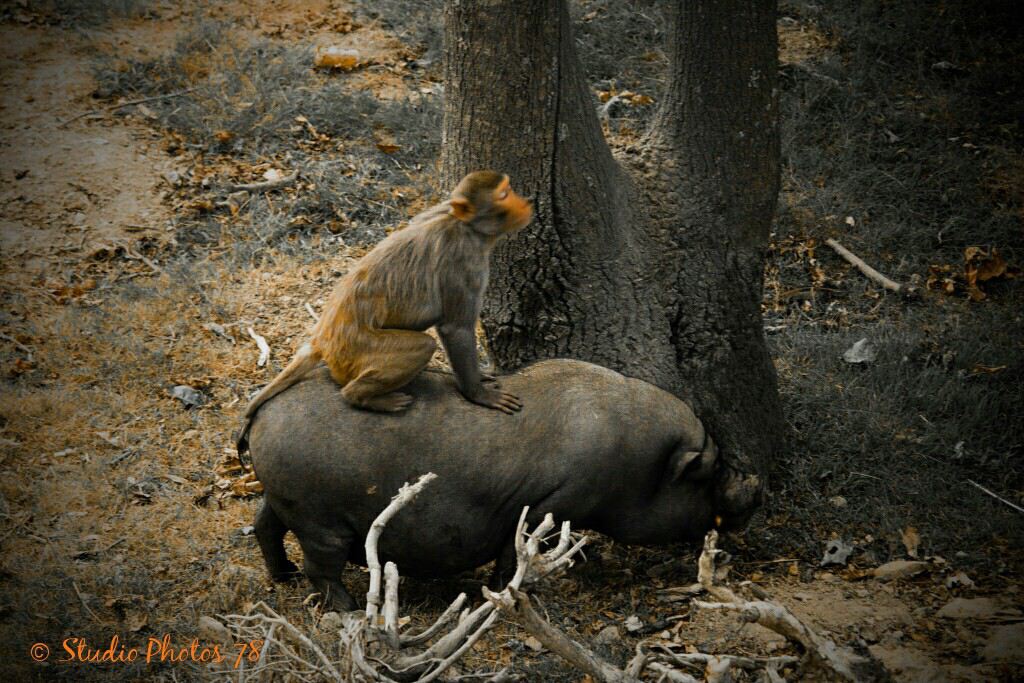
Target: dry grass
x: 98, y: 495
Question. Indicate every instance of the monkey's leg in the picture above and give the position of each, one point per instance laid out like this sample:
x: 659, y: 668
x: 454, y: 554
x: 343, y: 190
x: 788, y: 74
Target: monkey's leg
x: 270, y: 531
x: 394, y: 359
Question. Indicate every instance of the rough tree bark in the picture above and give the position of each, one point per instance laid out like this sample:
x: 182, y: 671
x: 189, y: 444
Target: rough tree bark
x: 649, y: 261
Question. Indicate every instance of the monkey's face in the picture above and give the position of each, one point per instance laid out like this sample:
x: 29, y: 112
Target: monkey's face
x: 486, y: 202
x: 513, y: 211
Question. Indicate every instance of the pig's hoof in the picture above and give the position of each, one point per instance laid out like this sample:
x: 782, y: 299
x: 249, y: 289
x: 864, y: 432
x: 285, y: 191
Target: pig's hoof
x: 394, y: 402
x: 338, y: 600
x: 288, y: 572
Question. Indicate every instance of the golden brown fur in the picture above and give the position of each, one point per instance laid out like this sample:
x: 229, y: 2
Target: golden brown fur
x: 431, y: 274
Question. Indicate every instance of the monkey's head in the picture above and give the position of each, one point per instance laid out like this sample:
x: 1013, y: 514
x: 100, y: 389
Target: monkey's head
x: 485, y: 201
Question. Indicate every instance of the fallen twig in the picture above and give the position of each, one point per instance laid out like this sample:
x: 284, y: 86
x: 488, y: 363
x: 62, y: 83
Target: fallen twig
x: 264, y: 348
x: 81, y: 598
x: 820, y: 651
x: 132, y: 254
x: 870, y: 273
x: 19, y: 345
x: 516, y: 604
x: 266, y: 185
x: 996, y: 496
x: 309, y: 309
x: 122, y: 105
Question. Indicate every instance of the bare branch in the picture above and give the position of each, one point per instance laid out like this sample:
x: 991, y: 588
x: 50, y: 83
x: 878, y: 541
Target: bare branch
x: 517, y: 605
x: 266, y: 185
x: 407, y: 493
x: 871, y: 273
x: 433, y: 629
x: 821, y: 651
x: 261, y: 344
x: 122, y: 105
x: 391, y: 604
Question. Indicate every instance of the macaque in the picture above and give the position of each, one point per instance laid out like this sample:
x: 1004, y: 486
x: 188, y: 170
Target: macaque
x: 431, y: 274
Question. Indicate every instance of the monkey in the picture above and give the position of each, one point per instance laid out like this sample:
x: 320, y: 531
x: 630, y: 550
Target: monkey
x: 433, y: 273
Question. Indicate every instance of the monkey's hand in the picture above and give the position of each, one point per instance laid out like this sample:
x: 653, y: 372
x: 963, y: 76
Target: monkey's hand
x: 496, y: 399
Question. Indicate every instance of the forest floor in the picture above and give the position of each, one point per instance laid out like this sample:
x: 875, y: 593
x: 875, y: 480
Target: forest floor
x: 129, y: 268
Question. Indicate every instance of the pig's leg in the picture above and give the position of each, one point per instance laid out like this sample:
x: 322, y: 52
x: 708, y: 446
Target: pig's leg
x: 504, y: 565
x: 270, y: 531
x: 324, y: 559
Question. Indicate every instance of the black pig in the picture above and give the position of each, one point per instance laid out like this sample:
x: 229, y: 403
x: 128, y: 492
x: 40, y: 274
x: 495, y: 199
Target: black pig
x: 616, y: 455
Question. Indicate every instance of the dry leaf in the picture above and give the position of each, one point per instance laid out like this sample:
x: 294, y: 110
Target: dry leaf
x: 982, y: 265
x: 387, y: 147
x: 911, y: 540
x: 335, y: 57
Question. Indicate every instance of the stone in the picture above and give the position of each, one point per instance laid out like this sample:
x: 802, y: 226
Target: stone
x: 1005, y: 644
x: 975, y: 608
x: 900, y: 569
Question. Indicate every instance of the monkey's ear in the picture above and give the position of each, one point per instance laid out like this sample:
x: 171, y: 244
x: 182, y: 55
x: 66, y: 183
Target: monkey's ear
x: 462, y: 208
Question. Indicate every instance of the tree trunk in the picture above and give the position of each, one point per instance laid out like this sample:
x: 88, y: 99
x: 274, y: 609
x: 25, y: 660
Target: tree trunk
x: 649, y: 263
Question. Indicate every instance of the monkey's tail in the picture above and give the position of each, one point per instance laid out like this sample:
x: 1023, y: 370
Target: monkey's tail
x: 305, y: 360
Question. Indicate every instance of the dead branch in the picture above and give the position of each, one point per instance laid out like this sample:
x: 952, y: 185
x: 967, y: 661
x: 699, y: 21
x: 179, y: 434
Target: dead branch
x: 132, y: 254
x: 373, y: 649
x: 870, y: 273
x: 820, y: 651
x: 266, y: 185
x: 969, y: 481
x: 21, y: 347
x: 405, y: 495
x: 516, y: 604
x: 122, y: 105
x: 261, y: 343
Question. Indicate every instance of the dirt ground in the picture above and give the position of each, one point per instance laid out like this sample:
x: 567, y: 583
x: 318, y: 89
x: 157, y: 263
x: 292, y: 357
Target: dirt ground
x: 128, y: 270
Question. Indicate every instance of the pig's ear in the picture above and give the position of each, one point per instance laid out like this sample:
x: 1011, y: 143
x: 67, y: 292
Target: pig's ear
x: 688, y: 464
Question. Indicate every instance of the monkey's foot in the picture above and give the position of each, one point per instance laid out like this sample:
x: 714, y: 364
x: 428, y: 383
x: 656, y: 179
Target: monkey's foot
x: 394, y: 402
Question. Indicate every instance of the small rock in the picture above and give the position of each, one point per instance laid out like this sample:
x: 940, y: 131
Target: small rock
x: 335, y: 57
x: 192, y: 398
x: 900, y: 569
x: 633, y: 624
x: 172, y: 178
x: 860, y: 352
x: 959, y: 580
x: 975, y: 608
x: 330, y: 622
x: 802, y: 597
x: 836, y: 552
x: 837, y: 501
x: 608, y: 635
x: 212, y: 630
x: 533, y: 644
x: 1005, y: 644
x: 247, y: 530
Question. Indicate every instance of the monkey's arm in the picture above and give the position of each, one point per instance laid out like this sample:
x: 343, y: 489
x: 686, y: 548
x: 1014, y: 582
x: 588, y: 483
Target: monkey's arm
x: 460, y: 346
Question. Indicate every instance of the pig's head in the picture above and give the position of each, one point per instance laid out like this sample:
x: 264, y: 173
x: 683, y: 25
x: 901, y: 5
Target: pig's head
x: 699, y: 491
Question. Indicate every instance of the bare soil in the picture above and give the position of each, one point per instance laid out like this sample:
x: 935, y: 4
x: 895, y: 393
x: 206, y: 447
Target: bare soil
x: 123, y: 512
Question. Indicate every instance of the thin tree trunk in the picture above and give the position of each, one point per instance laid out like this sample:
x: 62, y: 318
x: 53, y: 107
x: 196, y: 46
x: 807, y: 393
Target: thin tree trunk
x: 650, y: 264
